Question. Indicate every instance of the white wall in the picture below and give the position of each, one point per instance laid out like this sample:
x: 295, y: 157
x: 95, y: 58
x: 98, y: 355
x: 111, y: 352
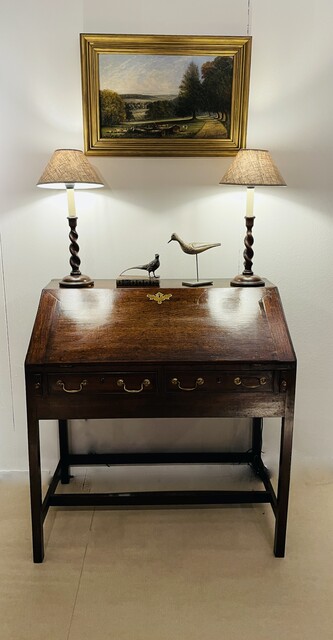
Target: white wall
x: 290, y: 114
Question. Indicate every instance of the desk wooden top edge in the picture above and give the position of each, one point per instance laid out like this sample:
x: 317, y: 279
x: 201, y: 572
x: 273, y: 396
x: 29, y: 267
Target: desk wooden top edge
x: 165, y: 283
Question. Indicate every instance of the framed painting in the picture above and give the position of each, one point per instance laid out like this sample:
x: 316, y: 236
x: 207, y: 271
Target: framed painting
x: 156, y: 95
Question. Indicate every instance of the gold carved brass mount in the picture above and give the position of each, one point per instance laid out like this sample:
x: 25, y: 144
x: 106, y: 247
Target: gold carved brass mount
x: 159, y: 297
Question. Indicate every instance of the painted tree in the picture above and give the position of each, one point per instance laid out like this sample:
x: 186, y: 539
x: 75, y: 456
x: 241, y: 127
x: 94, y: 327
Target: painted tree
x: 160, y: 109
x: 189, y: 99
x: 129, y: 112
x: 217, y: 85
x: 112, y: 108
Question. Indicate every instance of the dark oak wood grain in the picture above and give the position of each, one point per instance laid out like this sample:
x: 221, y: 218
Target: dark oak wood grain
x: 170, y: 351
x: 196, y: 325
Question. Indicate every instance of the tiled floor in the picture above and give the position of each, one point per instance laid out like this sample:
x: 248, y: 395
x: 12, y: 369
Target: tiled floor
x: 169, y: 574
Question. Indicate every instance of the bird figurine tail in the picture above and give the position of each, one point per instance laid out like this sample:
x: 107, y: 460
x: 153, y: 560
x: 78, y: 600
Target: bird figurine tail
x: 151, y: 267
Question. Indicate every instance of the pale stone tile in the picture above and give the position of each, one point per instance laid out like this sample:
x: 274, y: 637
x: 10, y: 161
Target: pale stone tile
x: 37, y: 601
x: 184, y: 574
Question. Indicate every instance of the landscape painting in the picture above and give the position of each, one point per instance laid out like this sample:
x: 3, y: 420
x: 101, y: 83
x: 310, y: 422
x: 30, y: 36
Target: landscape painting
x: 158, y: 96
x: 165, y: 95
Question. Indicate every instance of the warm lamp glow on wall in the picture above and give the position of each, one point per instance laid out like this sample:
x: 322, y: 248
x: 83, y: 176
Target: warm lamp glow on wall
x: 69, y: 169
x: 251, y: 168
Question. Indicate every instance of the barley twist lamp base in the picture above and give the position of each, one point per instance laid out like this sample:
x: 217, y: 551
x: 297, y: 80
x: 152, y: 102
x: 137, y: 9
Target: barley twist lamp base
x: 248, y: 278
x: 75, y: 278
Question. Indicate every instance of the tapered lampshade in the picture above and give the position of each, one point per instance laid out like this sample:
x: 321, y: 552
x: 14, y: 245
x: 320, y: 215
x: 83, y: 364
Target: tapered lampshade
x: 253, y: 168
x: 69, y: 168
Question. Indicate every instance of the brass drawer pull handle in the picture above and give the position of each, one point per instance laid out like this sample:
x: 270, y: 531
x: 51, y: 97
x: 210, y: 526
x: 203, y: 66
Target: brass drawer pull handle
x: 145, y: 383
x: 261, y: 381
x: 198, y: 383
x: 82, y: 384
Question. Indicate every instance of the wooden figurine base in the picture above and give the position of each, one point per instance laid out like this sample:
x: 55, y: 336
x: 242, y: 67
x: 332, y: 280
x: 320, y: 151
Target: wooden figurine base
x: 137, y: 281
x: 197, y: 283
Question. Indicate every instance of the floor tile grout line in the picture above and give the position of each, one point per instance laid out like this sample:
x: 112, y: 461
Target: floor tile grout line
x: 79, y: 582
x: 92, y: 519
x: 77, y: 592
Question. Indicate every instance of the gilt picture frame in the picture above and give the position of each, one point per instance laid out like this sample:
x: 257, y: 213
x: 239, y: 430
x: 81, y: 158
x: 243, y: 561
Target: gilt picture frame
x: 159, y: 95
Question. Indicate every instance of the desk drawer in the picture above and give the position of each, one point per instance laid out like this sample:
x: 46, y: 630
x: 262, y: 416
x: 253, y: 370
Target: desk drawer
x: 219, y: 382
x: 119, y: 382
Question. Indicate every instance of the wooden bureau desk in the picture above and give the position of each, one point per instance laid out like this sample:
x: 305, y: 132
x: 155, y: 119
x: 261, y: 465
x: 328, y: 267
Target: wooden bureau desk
x: 170, y: 352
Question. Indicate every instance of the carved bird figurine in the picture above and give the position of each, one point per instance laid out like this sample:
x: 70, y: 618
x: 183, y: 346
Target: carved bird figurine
x: 150, y: 266
x: 193, y: 247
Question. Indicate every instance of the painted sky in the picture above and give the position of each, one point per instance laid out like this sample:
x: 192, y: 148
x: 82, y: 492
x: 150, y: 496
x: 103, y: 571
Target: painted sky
x: 147, y: 74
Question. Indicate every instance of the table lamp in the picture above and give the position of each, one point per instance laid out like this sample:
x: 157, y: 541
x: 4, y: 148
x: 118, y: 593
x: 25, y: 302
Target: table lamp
x: 251, y: 168
x: 69, y: 169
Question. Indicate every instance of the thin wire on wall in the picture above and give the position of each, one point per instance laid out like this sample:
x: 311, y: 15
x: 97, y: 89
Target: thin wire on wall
x: 7, y: 332
x: 249, y: 13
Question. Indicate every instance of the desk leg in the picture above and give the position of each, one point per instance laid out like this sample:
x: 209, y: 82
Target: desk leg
x: 35, y: 488
x: 283, y: 486
x: 257, y: 425
x: 64, y: 451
